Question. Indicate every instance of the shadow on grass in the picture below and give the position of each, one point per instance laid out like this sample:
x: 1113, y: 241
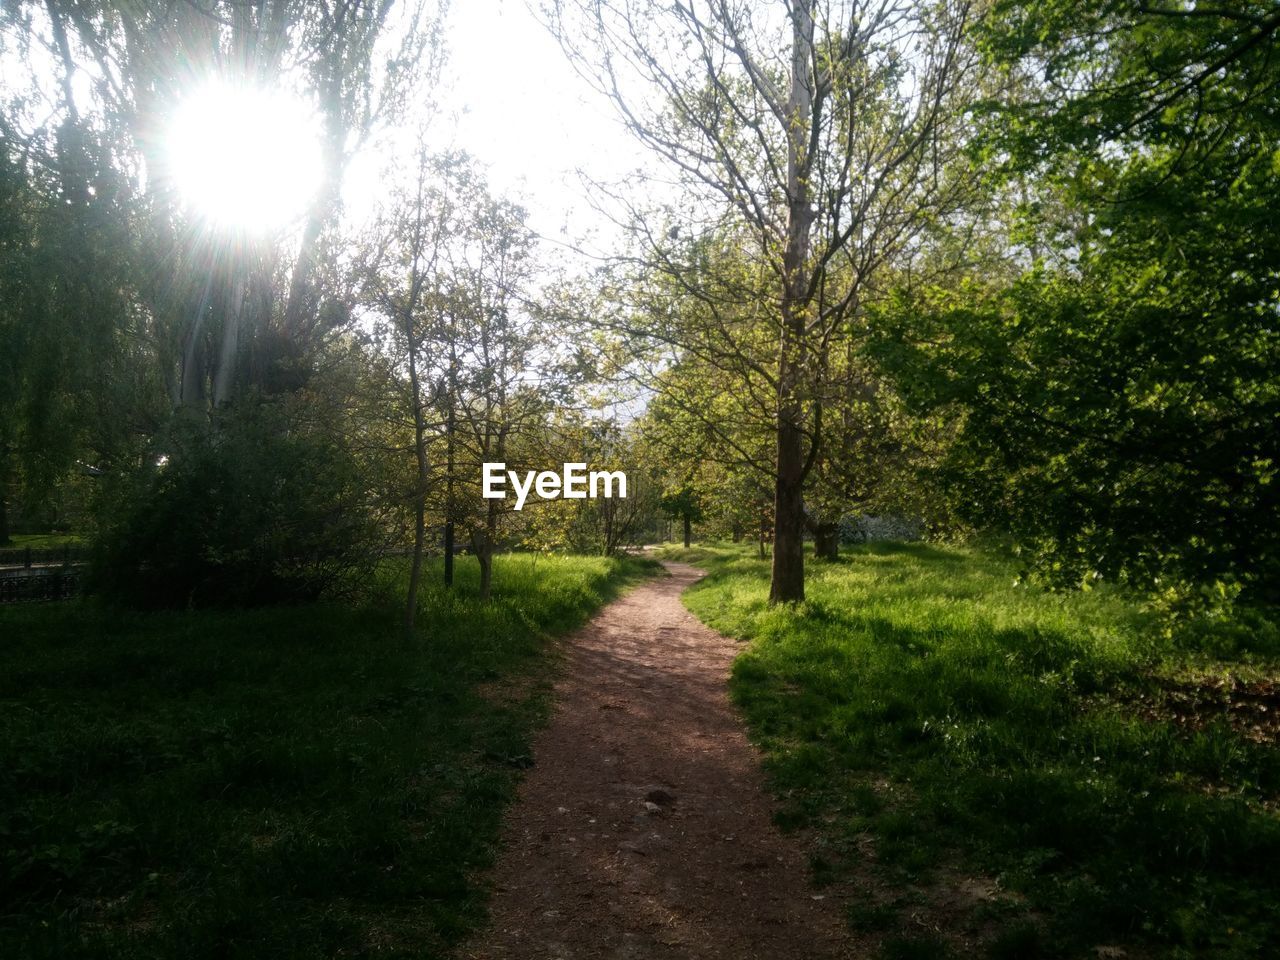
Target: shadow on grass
x: 921, y: 696
x: 288, y: 782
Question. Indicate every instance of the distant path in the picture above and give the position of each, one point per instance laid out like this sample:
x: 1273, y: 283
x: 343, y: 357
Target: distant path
x: 643, y: 829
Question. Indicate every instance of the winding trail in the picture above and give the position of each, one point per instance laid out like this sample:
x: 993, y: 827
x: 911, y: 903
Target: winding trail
x: 643, y: 829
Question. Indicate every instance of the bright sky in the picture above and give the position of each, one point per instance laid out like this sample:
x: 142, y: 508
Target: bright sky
x: 534, y: 123
x: 511, y: 99
x: 529, y: 117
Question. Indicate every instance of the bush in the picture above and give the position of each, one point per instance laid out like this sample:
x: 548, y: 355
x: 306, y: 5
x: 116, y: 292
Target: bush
x: 245, y: 512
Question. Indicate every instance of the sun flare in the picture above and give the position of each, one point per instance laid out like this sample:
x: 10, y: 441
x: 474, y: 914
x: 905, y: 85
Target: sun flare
x: 242, y: 157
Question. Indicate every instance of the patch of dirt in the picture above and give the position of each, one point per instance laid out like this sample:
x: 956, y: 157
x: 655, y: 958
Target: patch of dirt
x: 1250, y: 707
x: 643, y: 828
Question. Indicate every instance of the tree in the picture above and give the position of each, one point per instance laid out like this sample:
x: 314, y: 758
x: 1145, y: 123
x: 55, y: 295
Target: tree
x: 1116, y: 384
x: 507, y: 381
x: 713, y: 422
x: 76, y: 379
x: 403, y: 281
x: 711, y: 444
x: 448, y: 271
x: 683, y: 504
x: 233, y: 313
x: 818, y: 164
x: 607, y: 524
x: 126, y: 310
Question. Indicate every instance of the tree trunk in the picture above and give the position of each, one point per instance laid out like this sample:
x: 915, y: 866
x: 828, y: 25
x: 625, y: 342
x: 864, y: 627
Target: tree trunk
x: 415, y: 567
x: 4, y: 499
x: 482, y: 544
x: 224, y: 375
x: 688, y: 531
x: 191, y: 392
x: 787, y: 583
x: 301, y: 302
x: 491, y: 538
x: 485, y: 556
x: 451, y: 425
x: 826, y: 541
x: 448, y: 500
x: 607, y: 512
x: 482, y: 540
x: 736, y: 532
x: 420, y: 488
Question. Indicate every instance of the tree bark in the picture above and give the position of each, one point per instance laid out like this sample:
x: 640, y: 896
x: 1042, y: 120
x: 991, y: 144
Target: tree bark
x: 826, y: 541
x: 688, y: 530
x: 607, y: 513
x: 4, y: 499
x: 225, y: 374
x: 450, y: 426
x: 420, y: 487
x: 764, y: 529
x: 787, y: 582
x: 448, y: 553
x: 482, y: 539
x: 300, y: 303
x: 191, y: 392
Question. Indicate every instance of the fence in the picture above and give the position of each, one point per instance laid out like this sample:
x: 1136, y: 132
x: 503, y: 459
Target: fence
x: 56, y: 584
x: 41, y: 556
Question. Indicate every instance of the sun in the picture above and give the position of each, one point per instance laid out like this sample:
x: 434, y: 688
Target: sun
x: 244, y: 158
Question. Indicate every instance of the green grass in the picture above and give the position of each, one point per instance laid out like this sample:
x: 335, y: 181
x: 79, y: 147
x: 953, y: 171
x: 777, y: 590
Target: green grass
x: 974, y: 727
x: 286, y: 782
x: 42, y: 541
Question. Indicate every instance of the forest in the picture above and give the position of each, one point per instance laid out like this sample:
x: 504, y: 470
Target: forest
x: 935, y: 343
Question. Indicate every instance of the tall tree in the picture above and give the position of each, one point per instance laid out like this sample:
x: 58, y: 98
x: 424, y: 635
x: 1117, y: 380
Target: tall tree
x: 448, y: 270
x: 232, y: 313
x: 403, y: 280
x: 816, y: 137
x: 1116, y: 382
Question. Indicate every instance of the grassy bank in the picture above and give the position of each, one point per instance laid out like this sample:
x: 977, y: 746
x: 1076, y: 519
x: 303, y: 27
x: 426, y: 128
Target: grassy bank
x: 1003, y: 772
x: 290, y: 782
x: 42, y: 541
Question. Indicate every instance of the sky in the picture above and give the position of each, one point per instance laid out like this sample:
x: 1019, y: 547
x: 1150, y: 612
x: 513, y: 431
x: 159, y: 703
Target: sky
x: 511, y: 98
x: 524, y: 112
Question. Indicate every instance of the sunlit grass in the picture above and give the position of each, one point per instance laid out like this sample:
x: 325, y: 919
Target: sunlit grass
x: 43, y: 541
x: 923, y: 698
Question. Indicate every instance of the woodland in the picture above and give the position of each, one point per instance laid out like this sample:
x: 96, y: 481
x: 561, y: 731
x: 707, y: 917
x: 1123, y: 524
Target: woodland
x: 943, y: 334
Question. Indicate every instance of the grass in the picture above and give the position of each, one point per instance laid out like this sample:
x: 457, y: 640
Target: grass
x: 42, y: 541
x: 286, y: 783
x: 1055, y: 746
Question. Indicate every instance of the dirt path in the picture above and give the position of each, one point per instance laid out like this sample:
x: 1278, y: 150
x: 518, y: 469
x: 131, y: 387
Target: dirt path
x: 643, y: 829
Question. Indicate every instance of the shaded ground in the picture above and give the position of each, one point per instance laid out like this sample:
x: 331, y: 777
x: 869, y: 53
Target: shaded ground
x: 283, y: 783
x: 643, y: 829
x: 1251, y: 708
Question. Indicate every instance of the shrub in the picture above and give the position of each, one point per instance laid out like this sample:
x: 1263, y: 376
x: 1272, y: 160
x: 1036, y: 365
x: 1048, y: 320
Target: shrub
x: 243, y: 512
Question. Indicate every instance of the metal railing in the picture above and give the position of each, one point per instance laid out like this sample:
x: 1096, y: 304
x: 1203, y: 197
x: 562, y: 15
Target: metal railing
x: 42, y: 556
x: 58, y: 583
